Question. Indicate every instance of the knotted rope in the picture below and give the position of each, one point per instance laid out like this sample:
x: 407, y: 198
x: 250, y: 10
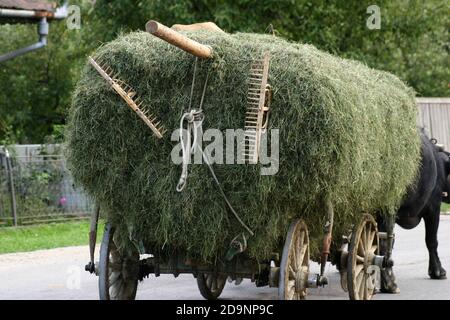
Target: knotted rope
x: 194, y: 119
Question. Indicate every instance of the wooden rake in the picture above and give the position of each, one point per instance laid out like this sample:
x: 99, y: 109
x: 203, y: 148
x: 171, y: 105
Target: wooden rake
x: 258, y: 103
x: 129, y: 96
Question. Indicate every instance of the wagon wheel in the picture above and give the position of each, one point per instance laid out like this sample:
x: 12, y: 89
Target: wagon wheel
x: 361, y: 272
x: 211, y: 285
x: 294, y: 266
x: 118, y: 275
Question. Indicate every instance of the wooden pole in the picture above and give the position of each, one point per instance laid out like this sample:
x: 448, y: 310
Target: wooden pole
x: 328, y: 236
x: 9, y: 169
x: 177, y: 39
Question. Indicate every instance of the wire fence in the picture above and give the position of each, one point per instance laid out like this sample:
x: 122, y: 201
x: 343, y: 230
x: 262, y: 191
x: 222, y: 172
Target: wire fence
x: 39, y: 189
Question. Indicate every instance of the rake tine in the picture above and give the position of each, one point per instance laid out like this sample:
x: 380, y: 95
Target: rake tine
x: 127, y: 93
x: 257, y: 82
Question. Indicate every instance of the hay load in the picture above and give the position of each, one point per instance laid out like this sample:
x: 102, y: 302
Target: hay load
x: 346, y: 133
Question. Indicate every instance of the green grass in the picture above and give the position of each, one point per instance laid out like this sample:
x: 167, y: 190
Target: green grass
x: 45, y: 236
x: 445, y: 207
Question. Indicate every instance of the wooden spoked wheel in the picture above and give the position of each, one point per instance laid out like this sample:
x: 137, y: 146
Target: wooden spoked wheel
x: 118, y: 275
x: 211, y: 285
x: 294, y: 268
x: 361, y: 272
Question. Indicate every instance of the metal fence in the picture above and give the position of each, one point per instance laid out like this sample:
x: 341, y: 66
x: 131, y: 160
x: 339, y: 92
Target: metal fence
x: 38, y: 189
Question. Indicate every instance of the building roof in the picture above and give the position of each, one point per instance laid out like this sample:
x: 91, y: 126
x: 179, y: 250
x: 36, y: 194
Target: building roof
x: 34, y: 5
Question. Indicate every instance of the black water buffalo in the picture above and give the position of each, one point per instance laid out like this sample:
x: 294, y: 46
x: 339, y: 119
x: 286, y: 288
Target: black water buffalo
x: 423, y: 200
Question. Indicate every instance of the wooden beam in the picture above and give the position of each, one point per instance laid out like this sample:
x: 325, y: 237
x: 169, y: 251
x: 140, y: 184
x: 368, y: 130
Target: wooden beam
x: 177, y: 39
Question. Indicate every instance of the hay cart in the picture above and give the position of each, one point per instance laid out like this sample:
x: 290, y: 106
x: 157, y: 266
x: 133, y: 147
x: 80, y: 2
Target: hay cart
x: 289, y: 268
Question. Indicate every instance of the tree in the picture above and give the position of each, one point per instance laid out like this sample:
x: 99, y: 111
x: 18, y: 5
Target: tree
x: 35, y: 89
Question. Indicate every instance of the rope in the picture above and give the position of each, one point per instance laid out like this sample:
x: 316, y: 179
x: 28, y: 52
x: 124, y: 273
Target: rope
x: 205, y: 158
x: 193, y: 84
x: 194, y: 119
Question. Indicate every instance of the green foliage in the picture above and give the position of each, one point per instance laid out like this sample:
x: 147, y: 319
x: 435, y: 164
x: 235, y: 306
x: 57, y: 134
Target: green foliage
x: 412, y: 43
x: 35, y: 89
x: 36, y: 184
x: 347, y: 133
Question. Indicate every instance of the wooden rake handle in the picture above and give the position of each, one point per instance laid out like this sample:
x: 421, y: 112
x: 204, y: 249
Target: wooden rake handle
x: 177, y: 39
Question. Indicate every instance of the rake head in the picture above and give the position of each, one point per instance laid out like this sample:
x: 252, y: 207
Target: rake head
x: 129, y: 96
x: 258, y: 100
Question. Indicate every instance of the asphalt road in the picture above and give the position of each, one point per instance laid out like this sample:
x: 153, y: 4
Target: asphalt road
x: 59, y: 274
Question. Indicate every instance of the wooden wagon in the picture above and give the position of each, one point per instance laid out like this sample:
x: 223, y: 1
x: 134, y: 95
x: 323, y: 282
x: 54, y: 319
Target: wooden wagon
x: 289, y: 267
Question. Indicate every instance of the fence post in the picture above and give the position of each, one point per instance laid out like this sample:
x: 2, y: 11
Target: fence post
x: 11, y: 186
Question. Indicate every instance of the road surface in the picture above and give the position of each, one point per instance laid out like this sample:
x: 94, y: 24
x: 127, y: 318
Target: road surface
x: 59, y: 274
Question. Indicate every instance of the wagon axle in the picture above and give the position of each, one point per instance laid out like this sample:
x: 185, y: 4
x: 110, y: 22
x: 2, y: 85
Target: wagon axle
x: 302, y: 279
x: 235, y: 269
